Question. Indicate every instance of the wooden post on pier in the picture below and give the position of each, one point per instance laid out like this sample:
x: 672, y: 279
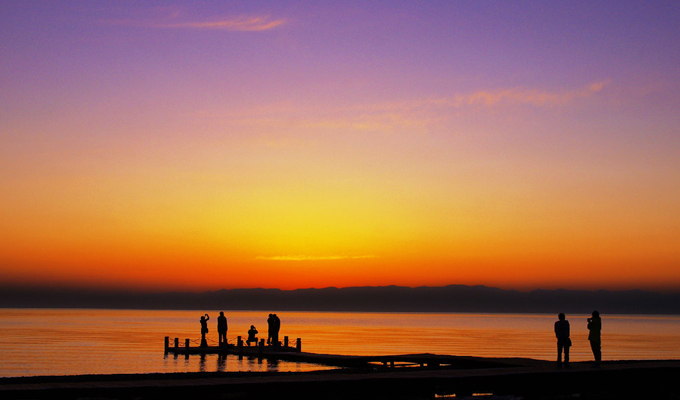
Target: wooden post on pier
x: 260, y: 348
x: 239, y: 345
x: 167, y: 344
x: 298, y: 345
x: 186, y: 343
x: 285, y: 341
x: 176, y: 343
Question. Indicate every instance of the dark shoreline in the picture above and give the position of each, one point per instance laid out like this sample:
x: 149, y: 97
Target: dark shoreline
x: 525, y: 378
x: 452, y: 298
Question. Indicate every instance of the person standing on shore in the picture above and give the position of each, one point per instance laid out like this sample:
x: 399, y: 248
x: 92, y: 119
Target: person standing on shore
x: 595, y: 326
x: 563, y: 340
x: 222, y: 329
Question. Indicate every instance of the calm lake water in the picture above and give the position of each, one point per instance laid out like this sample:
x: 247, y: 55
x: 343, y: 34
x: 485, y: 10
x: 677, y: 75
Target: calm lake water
x: 73, y: 342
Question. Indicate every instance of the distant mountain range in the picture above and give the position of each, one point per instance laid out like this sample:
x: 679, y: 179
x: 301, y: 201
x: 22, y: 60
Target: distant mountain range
x: 453, y: 298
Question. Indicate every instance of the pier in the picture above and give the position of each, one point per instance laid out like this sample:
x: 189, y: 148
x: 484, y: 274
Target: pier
x: 284, y: 352
x: 240, y: 348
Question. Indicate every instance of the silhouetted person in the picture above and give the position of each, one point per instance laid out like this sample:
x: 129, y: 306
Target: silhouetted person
x: 595, y: 326
x: 275, y: 332
x: 251, y: 335
x: 222, y: 329
x: 270, y: 329
x: 563, y: 340
x: 204, y: 329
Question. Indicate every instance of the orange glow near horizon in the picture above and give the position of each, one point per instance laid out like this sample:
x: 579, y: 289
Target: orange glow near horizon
x: 292, y: 235
x: 337, y: 228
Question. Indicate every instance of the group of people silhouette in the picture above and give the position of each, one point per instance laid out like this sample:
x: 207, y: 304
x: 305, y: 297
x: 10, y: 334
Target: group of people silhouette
x: 562, y: 332
x: 273, y: 322
x: 564, y: 341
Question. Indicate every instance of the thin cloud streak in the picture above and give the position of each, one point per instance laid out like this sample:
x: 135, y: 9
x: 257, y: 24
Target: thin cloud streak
x: 536, y: 98
x: 493, y: 98
x: 416, y: 116
x: 243, y: 24
x: 310, y: 258
x: 238, y: 24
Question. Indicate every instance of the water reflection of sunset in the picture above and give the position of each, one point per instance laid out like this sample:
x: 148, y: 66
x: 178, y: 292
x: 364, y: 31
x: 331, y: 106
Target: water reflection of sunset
x: 66, y: 342
x: 276, y: 145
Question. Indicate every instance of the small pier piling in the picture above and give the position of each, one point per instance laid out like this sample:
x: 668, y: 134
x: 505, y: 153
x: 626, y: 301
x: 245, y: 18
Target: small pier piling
x: 260, y: 350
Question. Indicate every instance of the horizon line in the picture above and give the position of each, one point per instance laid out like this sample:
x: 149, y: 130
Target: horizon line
x: 8, y: 286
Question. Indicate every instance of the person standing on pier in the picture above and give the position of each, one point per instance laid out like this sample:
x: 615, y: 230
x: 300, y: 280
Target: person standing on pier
x: 270, y: 329
x: 222, y: 329
x: 595, y: 326
x: 277, y: 328
x: 563, y: 340
x: 204, y: 329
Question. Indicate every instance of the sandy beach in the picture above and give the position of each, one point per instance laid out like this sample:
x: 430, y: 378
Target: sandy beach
x: 519, y: 378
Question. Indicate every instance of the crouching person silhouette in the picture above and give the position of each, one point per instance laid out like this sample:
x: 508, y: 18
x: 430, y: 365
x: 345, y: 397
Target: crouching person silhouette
x: 251, y: 335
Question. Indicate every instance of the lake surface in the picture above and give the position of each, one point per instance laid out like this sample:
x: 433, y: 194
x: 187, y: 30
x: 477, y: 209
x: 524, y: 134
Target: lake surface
x: 85, y: 341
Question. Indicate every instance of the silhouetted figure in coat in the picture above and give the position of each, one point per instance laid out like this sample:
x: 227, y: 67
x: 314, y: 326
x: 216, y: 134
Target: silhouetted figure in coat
x: 563, y: 340
x: 270, y: 329
x: 595, y: 326
x: 204, y: 329
x: 275, y: 332
x: 222, y: 329
x: 251, y: 335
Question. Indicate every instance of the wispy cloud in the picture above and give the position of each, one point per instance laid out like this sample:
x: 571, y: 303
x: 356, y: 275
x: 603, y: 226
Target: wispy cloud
x: 413, y: 116
x: 419, y: 114
x: 534, y: 97
x: 236, y: 23
x: 309, y: 258
x: 243, y: 24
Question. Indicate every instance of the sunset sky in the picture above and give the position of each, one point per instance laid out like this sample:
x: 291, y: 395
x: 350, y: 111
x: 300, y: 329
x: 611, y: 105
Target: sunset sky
x: 280, y: 144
